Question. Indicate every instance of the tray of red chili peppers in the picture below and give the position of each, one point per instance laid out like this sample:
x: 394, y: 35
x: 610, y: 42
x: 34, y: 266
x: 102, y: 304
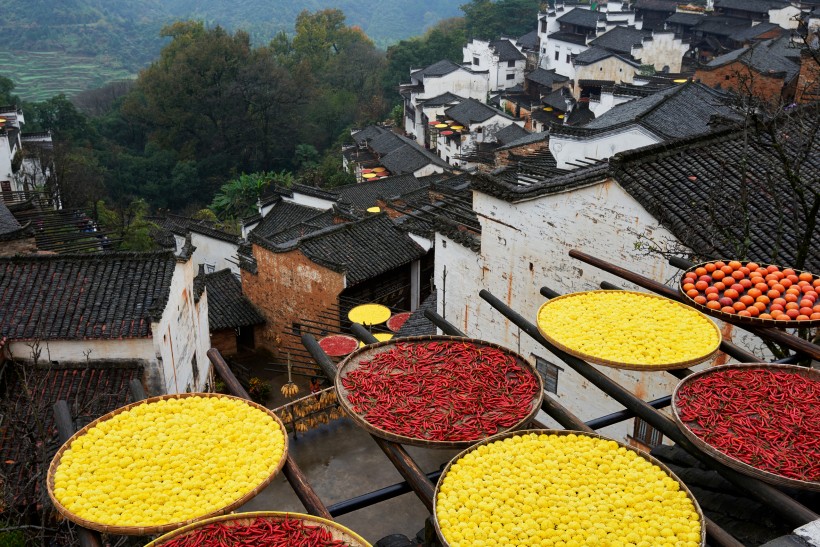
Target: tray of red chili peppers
x: 760, y: 419
x: 262, y: 529
x: 438, y: 391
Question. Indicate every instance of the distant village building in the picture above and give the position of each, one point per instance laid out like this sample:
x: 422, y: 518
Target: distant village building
x: 473, y: 124
x: 502, y: 59
x: 215, y: 248
x: 130, y: 308
x: 432, y: 81
x: 25, y: 161
x: 301, y: 262
x: 768, y: 70
x: 681, y: 111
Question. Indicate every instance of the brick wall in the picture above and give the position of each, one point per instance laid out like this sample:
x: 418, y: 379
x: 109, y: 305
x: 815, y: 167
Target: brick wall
x: 225, y: 341
x: 807, y: 88
x: 502, y: 158
x: 287, y: 288
x: 18, y: 247
x: 739, y: 78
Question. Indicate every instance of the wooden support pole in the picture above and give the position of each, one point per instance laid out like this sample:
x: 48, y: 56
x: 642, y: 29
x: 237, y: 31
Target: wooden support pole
x: 313, y: 504
x: 792, y: 511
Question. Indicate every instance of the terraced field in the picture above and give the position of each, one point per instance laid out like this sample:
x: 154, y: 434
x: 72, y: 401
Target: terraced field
x: 41, y: 75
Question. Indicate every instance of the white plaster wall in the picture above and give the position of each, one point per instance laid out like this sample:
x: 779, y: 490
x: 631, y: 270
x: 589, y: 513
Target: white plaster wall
x: 458, y: 278
x: 487, y: 60
x: 73, y: 351
x: 310, y: 201
x: 607, y: 102
x: 177, y: 338
x: 610, y: 68
x: 785, y: 17
x: 524, y: 247
x: 429, y: 169
x: 422, y: 242
x: 459, y: 82
x: 214, y: 252
x: 5, y: 162
x: 562, y: 66
x: 664, y: 50
x: 570, y: 149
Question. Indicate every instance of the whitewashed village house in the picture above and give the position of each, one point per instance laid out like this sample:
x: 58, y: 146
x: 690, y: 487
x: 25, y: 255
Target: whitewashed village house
x: 433, y: 81
x: 679, y: 111
x: 502, y: 59
x: 608, y: 210
x: 21, y: 168
x: 119, y: 309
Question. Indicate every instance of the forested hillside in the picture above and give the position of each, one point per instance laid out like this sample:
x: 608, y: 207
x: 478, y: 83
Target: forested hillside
x: 65, y: 46
x: 215, y: 118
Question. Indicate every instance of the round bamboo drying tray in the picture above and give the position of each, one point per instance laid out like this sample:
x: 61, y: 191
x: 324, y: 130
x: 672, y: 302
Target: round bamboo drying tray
x: 621, y: 365
x: 740, y: 319
x: 734, y: 463
x: 339, y: 532
x: 502, y: 436
x: 158, y: 529
x: 352, y: 362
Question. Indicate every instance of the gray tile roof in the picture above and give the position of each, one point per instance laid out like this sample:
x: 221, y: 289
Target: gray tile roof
x: 78, y: 297
x: 755, y: 31
x: 657, y: 5
x: 365, y: 194
x: 441, y: 100
x: 472, y: 111
x: 621, y: 39
x: 283, y: 216
x: 675, y: 182
x: 437, y: 69
x: 570, y: 37
x: 597, y: 53
x: 753, y: 6
x: 527, y: 139
x: 417, y: 324
x: 409, y: 158
x: 764, y: 57
x: 546, y: 78
x: 675, y: 112
x: 386, y: 142
x: 529, y: 41
x: 8, y: 224
x: 361, y: 249
x: 582, y: 18
x: 368, y: 133
x: 659, y: 178
x: 227, y: 306
x: 506, y: 51
x: 685, y: 19
x: 721, y: 26
x: 510, y: 134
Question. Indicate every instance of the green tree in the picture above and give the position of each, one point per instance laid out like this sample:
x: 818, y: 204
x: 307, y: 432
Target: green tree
x: 237, y: 198
x: 129, y: 224
x: 489, y: 20
x: 6, y: 97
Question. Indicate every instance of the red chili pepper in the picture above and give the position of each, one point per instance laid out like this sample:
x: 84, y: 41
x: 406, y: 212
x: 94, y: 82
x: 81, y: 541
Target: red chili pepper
x: 444, y: 391
x: 769, y: 419
x: 262, y: 532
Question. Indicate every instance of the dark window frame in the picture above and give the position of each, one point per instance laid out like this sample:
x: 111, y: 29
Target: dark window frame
x: 645, y: 434
x: 549, y: 373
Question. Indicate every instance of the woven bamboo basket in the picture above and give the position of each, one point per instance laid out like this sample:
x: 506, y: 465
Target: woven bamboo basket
x: 629, y: 366
x: 338, y: 531
x: 502, y: 436
x: 734, y: 463
x: 158, y: 529
x: 739, y: 319
x: 353, y: 361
